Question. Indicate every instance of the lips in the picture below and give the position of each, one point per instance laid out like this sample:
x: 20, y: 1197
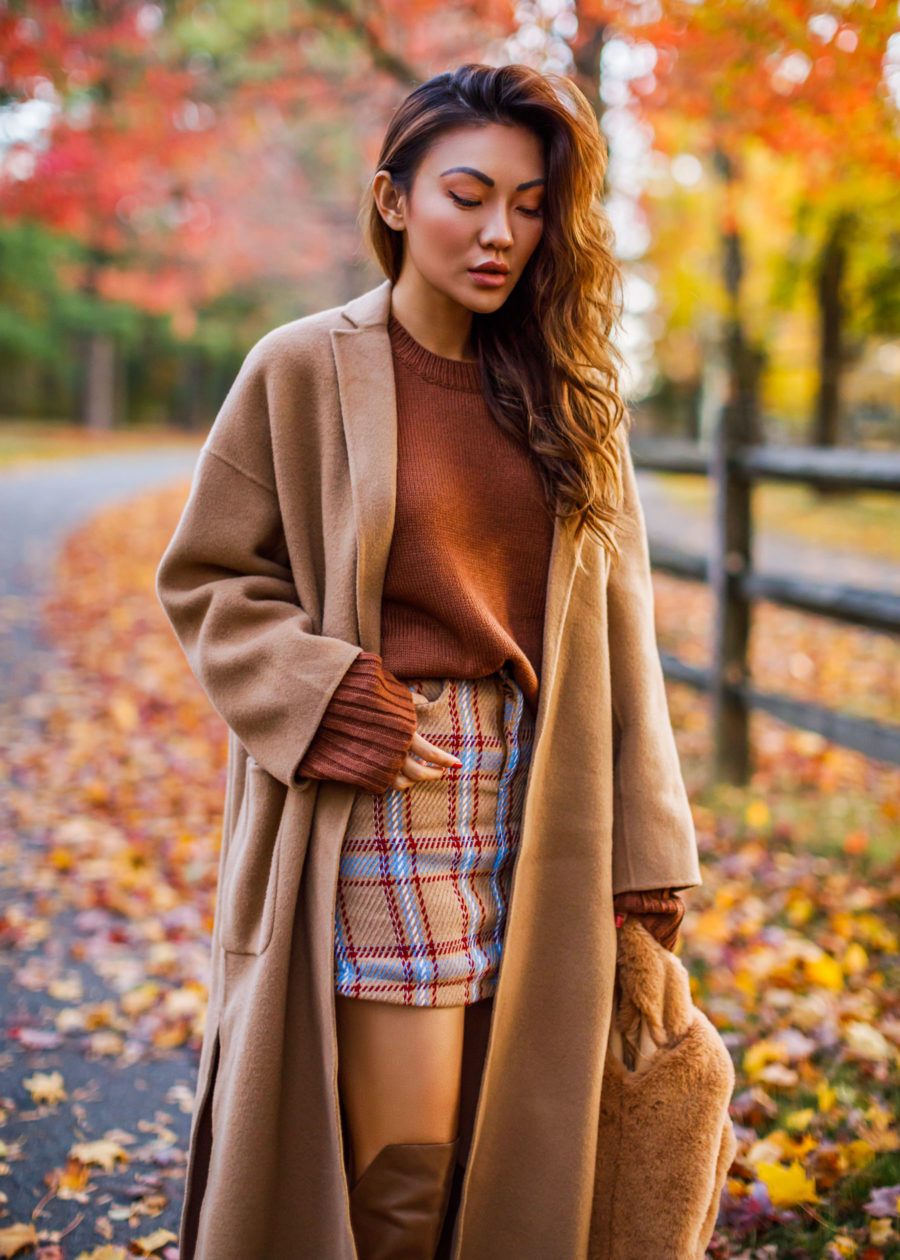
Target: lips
x: 491, y: 270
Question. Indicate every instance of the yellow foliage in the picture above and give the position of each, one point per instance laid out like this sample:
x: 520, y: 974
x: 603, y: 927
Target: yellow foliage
x: 757, y: 814
x: 856, y: 960
x: 843, y: 1245
x: 825, y: 972
x: 882, y: 1232
x: 758, y: 1056
x: 859, y: 1153
x: 876, y: 934
x: 800, y: 1120
x: 787, y: 1186
x: 826, y: 1098
x: 800, y: 909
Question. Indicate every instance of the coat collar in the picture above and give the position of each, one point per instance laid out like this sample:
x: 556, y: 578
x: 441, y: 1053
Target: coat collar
x: 365, y: 374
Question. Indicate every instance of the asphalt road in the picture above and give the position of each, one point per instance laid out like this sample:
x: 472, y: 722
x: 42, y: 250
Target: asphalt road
x: 39, y: 504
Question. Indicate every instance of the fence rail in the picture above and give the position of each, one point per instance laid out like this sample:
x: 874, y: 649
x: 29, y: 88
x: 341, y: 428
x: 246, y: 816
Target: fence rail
x: 836, y: 466
x: 734, y: 467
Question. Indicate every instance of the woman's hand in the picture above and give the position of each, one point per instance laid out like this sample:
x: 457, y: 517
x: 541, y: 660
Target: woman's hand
x: 414, y: 771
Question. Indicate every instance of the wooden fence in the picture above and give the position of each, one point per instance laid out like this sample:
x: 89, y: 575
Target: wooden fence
x: 734, y: 467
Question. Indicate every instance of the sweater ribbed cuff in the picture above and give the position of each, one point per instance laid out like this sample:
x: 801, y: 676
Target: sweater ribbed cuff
x: 659, y: 909
x: 366, y: 731
x: 648, y: 901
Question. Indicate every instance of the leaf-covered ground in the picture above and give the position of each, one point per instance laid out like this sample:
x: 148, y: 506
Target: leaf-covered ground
x: 109, y: 837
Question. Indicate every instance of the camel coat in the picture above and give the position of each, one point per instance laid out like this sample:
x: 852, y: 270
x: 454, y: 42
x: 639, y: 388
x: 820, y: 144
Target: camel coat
x: 272, y: 582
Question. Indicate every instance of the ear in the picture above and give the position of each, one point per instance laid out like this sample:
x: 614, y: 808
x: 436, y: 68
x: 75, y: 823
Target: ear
x: 390, y: 201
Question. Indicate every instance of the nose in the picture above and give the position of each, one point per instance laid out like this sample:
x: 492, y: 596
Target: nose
x: 497, y: 231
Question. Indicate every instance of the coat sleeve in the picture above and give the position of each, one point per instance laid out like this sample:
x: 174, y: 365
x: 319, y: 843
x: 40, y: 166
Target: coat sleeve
x: 226, y: 585
x: 654, y: 843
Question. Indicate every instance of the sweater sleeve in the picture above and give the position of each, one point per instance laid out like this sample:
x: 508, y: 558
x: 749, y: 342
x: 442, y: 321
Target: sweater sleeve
x: 659, y: 909
x: 366, y: 730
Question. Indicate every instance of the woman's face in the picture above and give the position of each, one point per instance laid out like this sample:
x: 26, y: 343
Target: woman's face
x: 477, y: 197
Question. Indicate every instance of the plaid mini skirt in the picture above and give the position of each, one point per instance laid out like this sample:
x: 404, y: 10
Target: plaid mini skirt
x: 425, y: 872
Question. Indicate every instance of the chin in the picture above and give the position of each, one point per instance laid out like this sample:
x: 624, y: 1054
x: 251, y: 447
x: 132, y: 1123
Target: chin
x: 478, y: 301
x: 487, y: 300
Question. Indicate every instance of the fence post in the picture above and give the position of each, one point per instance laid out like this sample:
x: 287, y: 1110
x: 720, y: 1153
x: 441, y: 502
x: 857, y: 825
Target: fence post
x: 729, y: 558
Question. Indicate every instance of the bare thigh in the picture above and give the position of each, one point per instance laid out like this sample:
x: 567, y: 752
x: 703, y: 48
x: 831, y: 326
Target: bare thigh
x: 398, y: 1072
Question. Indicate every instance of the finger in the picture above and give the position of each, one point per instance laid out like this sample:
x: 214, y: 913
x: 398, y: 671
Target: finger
x: 416, y: 771
x: 422, y: 748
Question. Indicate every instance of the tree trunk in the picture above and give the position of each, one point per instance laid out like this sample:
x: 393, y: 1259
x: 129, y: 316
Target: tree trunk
x: 192, y: 407
x: 100, y: 382
x: 586, y: 53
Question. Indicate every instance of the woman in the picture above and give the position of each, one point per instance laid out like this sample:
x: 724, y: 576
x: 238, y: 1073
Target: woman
x: 412, y: 576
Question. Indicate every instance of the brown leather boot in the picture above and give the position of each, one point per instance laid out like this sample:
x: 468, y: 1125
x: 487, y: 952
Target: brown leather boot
x: 448, y: 1233
x: 397, y: 1206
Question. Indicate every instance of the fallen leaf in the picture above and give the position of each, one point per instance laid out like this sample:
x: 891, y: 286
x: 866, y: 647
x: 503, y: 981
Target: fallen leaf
x: 152, y: 1242
x: 102, y: 1151
x: 787, y: 1186
x: 46, y: 1087
x: 14, y: 1237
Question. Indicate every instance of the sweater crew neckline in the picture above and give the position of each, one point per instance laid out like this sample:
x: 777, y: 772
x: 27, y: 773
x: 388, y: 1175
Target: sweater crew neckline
x: 450, y: 373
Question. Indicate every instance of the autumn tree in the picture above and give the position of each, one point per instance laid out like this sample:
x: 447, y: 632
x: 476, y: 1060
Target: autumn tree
x: 807, y: 81
x: 199, y: 147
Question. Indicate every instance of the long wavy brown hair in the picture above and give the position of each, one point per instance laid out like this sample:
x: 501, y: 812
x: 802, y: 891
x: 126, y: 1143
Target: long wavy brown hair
x: 549, y: 370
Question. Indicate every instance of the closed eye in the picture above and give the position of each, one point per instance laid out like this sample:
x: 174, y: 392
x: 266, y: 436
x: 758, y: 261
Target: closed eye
x: 532, y: 214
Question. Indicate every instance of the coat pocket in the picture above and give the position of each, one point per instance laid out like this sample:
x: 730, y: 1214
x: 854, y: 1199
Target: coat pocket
x: 248, y: 886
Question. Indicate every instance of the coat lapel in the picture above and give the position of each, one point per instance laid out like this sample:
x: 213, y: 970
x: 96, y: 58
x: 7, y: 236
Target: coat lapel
x: 365, y: 374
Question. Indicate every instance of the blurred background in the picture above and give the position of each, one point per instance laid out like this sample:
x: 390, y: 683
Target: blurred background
x: 177, y: 179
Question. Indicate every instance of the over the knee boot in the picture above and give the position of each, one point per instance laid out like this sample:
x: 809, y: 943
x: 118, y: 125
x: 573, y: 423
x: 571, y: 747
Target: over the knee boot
x: 397, y: 1206
x: 445, y: 1242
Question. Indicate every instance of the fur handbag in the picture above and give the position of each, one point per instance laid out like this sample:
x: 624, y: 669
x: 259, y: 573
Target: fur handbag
x: 666, y: 1139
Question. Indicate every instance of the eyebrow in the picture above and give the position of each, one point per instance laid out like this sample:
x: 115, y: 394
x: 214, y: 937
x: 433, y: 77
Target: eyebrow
x: 470, y: 170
